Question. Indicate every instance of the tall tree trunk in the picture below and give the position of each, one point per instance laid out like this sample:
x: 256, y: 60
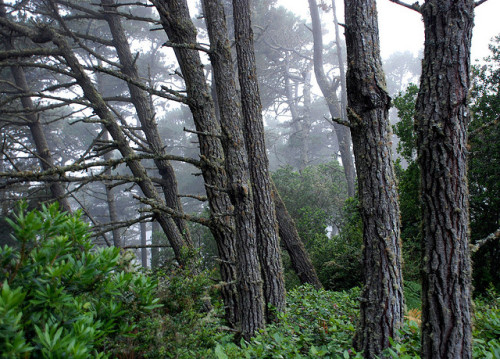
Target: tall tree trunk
x: 301, y: 262
x: 344, y: 136
x: 329, y: 92
x: 110, y: 199
x: 155, y: 252
x: 252, y: 313
x: 144, y: 250
x: 267, y: 231
x: 108, y: 184
x: 441, y: 121
x: 146, y: 114
x: 382, y: 304
x: 36, y: 128
x: 179, y: 28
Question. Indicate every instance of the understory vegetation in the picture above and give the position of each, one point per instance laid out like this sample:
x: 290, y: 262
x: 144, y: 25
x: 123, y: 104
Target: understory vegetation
x: 63, y: 297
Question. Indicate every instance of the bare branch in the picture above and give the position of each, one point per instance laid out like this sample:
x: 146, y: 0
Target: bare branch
x: 482, y: 242
x: 333, y: 120
x: 477, y: 3
x: 415, y: 6
x: 198, y: 47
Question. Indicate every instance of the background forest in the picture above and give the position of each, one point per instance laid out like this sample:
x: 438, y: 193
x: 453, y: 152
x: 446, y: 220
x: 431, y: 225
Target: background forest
x: 106, y: 111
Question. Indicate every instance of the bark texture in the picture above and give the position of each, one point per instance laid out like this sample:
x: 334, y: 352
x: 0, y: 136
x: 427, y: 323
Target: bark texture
x: 441, y: 123
x: 145, y: 114
x: 381, y: 313
x: 267, y: 229
x: 179, y: 28
x: 329, y: 91
x: 252, y: 313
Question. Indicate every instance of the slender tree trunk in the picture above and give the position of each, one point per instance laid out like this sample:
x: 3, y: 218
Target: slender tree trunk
x: 330, y: 94
x: 382, y: 305
x: 155, y: 252
x: 103, y: 112
x: 267, y: 231
x: 145, y: 114
x: 441, y: 121
x: 144, y: 250
x: 110, y: 199
x: 344, y: 136
x: 306, y: 120
x: 36, y: 128
x: 301, y: 262
x: 252, y: 313
x: 177, y: 24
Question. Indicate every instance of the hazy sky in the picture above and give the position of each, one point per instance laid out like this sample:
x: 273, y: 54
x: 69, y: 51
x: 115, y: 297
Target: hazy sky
x: 402, y: 29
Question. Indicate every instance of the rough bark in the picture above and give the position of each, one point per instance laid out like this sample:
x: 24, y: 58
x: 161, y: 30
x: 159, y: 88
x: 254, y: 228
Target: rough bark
x: 299, y: 258
x: 36, y: 128
x: 441, y: 122
x: 179, y: 28
x: 381, y: 308
x: 249, y: 281
x: 267, y: 231
x: 145, y: 114
x: 329, y: 91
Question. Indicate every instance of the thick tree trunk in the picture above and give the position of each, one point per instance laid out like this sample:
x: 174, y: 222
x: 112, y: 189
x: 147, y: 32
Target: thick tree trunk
x: 334, y: 106
x: 146, y: 114
x: 382, y: 304
x: 177, y: 24
x: 441, y: 121
x: 252, y: 313
x: 267, y: 231
x: 301, y: 262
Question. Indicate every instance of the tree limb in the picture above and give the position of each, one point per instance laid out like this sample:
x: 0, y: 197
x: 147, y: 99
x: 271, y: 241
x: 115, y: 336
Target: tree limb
x: 415, y: 6
x: 477, y: 3
x: 495, y: 235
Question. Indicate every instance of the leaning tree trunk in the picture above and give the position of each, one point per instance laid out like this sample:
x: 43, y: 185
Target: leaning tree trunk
x: 301, y: 263
x: 267, y: 231
x: 175, y: 19
x: 145, y: 114
x: 441, y: 121
x: 36, y: 128
x: 329, y: 92
x: 249, y: 281
x: 381, y: 313
x: 101, y: 109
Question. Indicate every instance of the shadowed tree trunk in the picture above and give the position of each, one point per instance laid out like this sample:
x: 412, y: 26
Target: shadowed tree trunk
x: 329, y: 91
x: 381, y: 308
x: 441, y: 122
x: 267, y: 231
x: 252, y: 313
x: 146, y: 114
x: 180, y: 30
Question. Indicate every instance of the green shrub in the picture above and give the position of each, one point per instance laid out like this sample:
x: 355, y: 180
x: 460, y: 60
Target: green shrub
x: 61, y: 297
